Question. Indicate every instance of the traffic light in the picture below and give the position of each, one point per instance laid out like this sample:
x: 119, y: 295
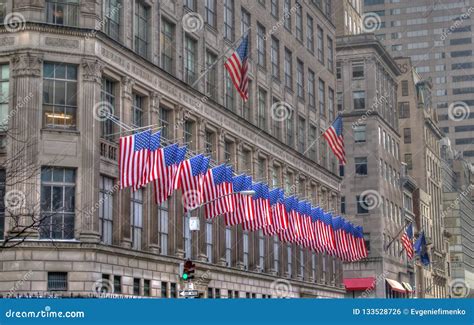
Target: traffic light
x: 188, y: 270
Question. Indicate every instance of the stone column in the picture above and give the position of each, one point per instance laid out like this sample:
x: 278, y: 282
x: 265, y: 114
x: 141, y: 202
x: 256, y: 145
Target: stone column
x: 23, y: 187
x: 90, y: 155
x: 220, y: 223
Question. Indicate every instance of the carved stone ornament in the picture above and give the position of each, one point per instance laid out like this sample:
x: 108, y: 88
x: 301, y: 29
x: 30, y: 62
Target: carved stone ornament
x: 92, y: 70
x: 27, y: 64
x: 128, y: 84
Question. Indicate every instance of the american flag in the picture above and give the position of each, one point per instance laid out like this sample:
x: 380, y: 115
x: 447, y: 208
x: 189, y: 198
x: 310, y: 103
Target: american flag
x: 133, y: 155
x: 352, y: 252
x: 261, y: 208
x: 216, y: 191
x: 328, y: 231
x: 359, y: 234
x: 166, y: 166
x: 244, y: 209
x: 341, y: 241
x: 151, y: 169
x: 189, y: 180
x: 237, y: 66
x: 291, y: 233
x: 335, y: 139
x: 318, y: 242
x: 278, y: 213
x: 407, y: 241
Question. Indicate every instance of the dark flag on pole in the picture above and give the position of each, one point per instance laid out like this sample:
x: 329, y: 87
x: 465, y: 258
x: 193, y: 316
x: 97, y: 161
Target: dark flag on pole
x: 422, y: 250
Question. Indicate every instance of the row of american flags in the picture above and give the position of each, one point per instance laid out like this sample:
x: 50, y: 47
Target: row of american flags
x: 142, y: 160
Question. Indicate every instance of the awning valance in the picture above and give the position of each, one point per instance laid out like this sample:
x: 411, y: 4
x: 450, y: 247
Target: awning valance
x: 407, y: 286
x: 359, y: 284
x: 396, y: 286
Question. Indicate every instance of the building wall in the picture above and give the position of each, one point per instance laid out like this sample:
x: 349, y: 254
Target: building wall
x: 210, y: 122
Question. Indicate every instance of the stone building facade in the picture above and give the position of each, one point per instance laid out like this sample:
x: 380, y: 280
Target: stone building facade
x: 67, y: 63
x: 372, y: 190
x: 348, y: 17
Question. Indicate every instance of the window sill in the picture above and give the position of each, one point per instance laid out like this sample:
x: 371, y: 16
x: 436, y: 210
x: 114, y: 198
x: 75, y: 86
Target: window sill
x: 58, y: 130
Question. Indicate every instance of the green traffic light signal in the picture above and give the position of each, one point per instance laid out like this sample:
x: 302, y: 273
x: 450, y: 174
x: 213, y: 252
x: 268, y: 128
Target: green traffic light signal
x: 185, y: 276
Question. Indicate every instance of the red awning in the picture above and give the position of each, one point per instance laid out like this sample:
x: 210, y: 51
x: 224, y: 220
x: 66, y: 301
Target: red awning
x: 359, y: 284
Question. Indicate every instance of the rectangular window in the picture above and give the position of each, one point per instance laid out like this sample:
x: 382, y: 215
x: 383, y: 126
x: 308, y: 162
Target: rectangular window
x: 300, y: 79
x: 361, y: 166
x: 112, y: 14
x: 190, y: 4
x: 332, y: 115
x: 404, y: 88
x: 275, y: 57
x: 261, y: 250
x: 359, y: 133
x: 343, y: 204
x: 140, y: 28
x: 209, y: 245
x: 106, y: 208
x: 245, y: 245
x: 136, y: 218
x: 107, y: 96
x: 245, y: 24
x: 359, y: 99
x: 163, y: 223
x: 167, y: 46
x: 262, y: 106
x: 173, y: 292
x: 299, y: 22
x: 276, y: 254
x: 404, y: 110
x: 287, y: 15
x: 407, y: 135
x: 289, y: 266
x: 211, y: 13
x: 228, y: 247
x: 311, y: 90
x: 58, y: 186
x: 310, y: 33
x: 301, y: 135
x: 330, y: 54
x: 4, y: 102
x: 229, y: 20
x: 59, y: 95
x: 320, y: 45
x: 190, y: 52
x: 146, y: 288
x: 187, y: 238
x: 3, y: 9
x: 164, y: 289
x: 361, y: 205
x: 2, y: 203
x: 117, y: 284
x: 288, y: 69
x: 164, y: 120
x: 211, y: 76
x: 290, y: 130
x: 322, y: 98
x: 261, y: 46
x: 137, y: 110
x: 136, y: 286
x: 357, y: 70
x: 408, y: 161
x: 274, y: 9
x: 65, y: 13
x: 301, y: 260
x: 312, y: 142
x: 229, y: 93
x: 57, y: 281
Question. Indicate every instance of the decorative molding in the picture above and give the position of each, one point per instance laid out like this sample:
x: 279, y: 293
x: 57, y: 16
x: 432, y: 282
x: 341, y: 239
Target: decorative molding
x: 61, y: 42
x: 27, y: 65
x: 92, y: 70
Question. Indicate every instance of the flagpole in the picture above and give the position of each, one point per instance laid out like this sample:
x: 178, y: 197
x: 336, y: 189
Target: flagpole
x: 396, y: 237
x: 219, y: 58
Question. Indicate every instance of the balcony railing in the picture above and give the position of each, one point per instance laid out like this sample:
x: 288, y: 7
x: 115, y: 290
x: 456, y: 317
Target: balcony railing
x: 108, y: 150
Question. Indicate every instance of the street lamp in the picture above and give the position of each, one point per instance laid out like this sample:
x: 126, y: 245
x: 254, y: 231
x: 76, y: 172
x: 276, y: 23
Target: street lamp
x: 194, y: 221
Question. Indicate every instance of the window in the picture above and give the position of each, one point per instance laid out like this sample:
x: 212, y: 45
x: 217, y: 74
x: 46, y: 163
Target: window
x: 404, y: 110
x: 361, y: 166
x: 310, y: 34
x: 112, y: 13
x: 164, y: 290
x: 107, y: 96
x: 136, y: 286
x: 404, y: 88
x: 229, y: 20
x: 408, y: 161
x: 58, y: 198
x: 289, y: 129
x: 311, y: 90
x: 167, y: 46
x: 338, y: 71
x: 229, y: 93
x: 117, y: 284
x: 322, y: 98
x: 301, y: 135
x: 262, y: 106
x: 343, y: 204
x: 359, y: 133
x: 163, y: 223
x: 275, y: 57
x: 320, y: 45
x: 187, y: 237
x: 301, y: 260
x: 2, y: 202
x: 57, y: 281
x: 136, y: 218
x: 190, y: 4
x: 276, y: 254
x: 361, y: 205
x: 300, y: 79
x: 137, y: 110
x: 261, y: 250
x: 164, y: 121
x: 59, y: 95
x: 288, y: 69
x: 64, y: 13
x: 246, y: 249
x: 211, y: 13
x: 228, y: 247
x: 359, y: 99
x: 3, y: 9
x: 357, y: 70
x: 209, y: 245
x: 209, y: 143
x: 287, y: 14
x: 106, y: 208
x: 274, y: 8
x: 289, y: 266
x: 211, y: 76
x: 4, y: 102
x: 299, y: 22
x: 330, y: 54
x: 245, y: 24
x: 312, y: 142
x: 173, y: 292
x: 261, y: 46
x: 141, y: 28
x: 190, y: 51
x: 146, y: 288
x: 332, y: 115
x: 367, y: 241
x: 407, y: 135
